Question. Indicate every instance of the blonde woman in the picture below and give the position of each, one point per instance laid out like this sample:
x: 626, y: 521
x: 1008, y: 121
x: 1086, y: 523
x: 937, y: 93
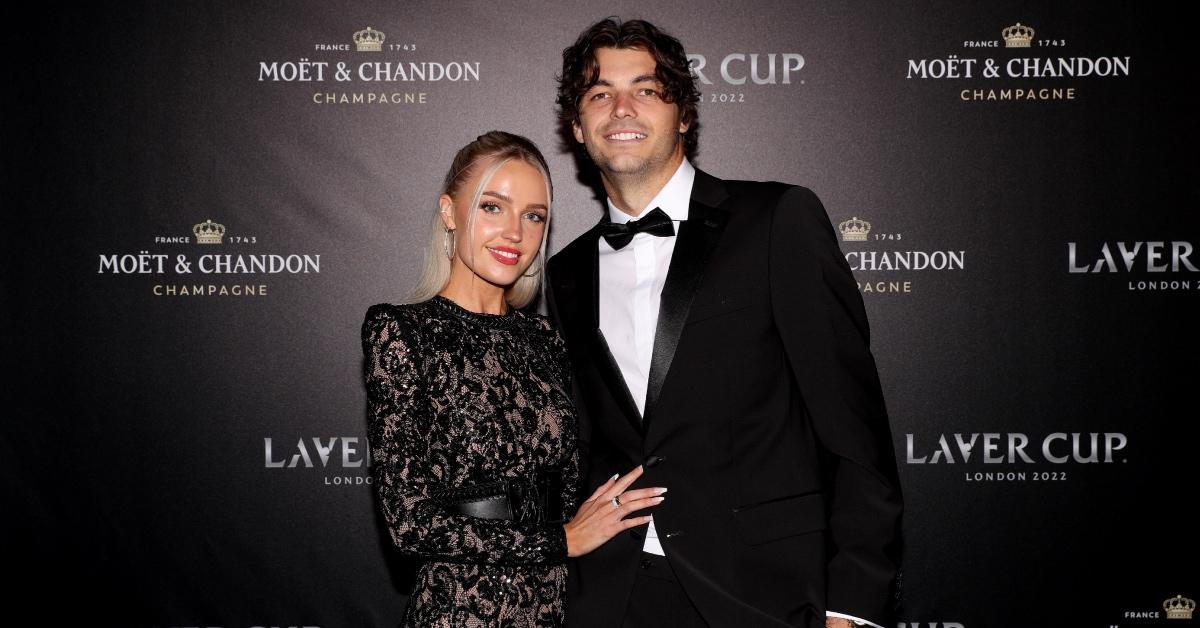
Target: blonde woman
x: 473, y: 433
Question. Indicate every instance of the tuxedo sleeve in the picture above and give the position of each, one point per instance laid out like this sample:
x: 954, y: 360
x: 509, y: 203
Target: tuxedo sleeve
x: 823, y: 325
x: 569, y: 357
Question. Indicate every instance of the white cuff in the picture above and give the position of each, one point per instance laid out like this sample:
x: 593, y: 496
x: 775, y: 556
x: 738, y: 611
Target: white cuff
x: 852, y: 618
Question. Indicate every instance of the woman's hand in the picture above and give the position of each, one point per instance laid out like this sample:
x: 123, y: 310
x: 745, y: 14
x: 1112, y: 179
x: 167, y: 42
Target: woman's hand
x: 600, y: 518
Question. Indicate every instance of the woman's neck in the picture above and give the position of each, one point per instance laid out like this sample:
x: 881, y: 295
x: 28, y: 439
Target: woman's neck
x: 476, y: 295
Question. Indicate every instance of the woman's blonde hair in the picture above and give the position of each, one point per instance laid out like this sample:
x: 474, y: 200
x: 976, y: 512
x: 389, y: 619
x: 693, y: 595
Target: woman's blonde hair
x: 492, y: 149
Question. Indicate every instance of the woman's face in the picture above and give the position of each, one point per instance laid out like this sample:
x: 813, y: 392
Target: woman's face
x: 510, y: 221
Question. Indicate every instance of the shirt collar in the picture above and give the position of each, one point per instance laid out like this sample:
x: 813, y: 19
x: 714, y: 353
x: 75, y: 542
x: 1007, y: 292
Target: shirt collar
x: 674, y: 198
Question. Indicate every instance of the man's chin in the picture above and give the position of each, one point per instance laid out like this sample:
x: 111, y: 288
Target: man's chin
x: 623, y: 165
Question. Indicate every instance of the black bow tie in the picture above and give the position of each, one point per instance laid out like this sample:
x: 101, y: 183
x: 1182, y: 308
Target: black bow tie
x: 655, y: 222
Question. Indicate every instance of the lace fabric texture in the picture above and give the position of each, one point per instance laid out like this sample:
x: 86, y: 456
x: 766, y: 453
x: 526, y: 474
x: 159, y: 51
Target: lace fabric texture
x: 457, y: 398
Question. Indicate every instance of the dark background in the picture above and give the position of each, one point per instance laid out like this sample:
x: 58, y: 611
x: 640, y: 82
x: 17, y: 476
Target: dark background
x: 138, y: 492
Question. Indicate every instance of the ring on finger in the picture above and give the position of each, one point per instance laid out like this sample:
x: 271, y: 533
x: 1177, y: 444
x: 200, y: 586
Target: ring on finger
x: 616, y: 501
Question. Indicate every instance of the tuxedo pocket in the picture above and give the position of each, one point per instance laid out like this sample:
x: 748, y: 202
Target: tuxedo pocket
x: 780, y: 518
x: 702, y: 311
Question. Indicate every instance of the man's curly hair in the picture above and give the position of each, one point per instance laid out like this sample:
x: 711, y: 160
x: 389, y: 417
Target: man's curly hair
x: 580, y: 70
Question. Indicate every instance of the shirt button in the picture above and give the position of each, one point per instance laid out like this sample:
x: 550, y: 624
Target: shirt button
x: 652, y: 461
x: 646, y: 564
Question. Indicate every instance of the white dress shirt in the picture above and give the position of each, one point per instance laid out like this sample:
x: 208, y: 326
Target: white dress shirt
x: 631, y: 283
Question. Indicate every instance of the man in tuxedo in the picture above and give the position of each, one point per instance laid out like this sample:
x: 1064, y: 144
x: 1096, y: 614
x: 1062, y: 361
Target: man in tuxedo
x: 718, y: 338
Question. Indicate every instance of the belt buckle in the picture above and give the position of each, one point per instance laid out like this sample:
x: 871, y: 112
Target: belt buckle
x: 537, y: 499
x: 523, y: 495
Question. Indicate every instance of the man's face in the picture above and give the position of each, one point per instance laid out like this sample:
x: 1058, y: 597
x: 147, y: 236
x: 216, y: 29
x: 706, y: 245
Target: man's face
x: 623, y: 121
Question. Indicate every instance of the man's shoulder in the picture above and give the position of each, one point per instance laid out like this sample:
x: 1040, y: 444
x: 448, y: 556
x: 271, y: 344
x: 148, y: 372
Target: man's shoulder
x: 786, y: 207
x: 582, y: 245
x: 753, y: 194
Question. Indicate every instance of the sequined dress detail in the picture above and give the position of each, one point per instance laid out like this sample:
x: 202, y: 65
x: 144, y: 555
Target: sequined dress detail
x: 457, y: 398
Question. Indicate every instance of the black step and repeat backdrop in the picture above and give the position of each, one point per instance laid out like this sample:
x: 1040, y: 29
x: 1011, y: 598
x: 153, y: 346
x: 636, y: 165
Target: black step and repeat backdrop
x: 202, y: 199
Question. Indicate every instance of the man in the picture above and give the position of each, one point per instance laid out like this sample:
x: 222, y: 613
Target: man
x: 717, y: 337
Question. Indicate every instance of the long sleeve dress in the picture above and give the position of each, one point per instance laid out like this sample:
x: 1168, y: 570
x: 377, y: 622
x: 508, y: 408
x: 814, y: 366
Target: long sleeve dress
x: 457, y: 398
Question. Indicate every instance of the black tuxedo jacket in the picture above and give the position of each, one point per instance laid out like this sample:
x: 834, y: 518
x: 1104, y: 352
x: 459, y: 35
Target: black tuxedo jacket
x: 764, y: 419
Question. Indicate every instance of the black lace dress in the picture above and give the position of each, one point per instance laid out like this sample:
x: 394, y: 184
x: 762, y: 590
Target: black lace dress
x: 457, y: 398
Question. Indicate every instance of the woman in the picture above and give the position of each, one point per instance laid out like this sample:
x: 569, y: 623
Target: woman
x: 472, y: 430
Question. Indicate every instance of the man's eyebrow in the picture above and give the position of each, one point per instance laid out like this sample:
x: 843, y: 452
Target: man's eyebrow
x: 637, y: 79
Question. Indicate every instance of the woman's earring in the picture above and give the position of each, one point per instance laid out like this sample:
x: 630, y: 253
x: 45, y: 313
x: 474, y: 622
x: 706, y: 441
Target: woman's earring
x: 448, y: 243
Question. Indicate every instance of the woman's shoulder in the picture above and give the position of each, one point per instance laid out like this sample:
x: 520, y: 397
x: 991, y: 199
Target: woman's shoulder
x: 383, y: 313
x: 439, y: 310
x: 542, y: 324
x: 541, y: 321
x: 392, y: 321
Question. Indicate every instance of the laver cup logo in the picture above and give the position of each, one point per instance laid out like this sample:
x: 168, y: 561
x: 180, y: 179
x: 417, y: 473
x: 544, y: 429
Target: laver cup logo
x: 738, y: 77
x: 1016, y: 456
x: 344, y: 460
x: 1162, y: 265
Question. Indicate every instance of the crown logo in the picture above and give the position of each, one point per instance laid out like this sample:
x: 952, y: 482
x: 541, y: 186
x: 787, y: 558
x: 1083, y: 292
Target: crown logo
x: 854, y: 230
x: 369, y: 40
x: 1017, y: 36
x: 1179, y: 607
x: 209, y: 232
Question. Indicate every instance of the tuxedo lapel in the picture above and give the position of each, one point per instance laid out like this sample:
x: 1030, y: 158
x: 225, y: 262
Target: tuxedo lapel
x: 698, y: 237
x: 586, y: 314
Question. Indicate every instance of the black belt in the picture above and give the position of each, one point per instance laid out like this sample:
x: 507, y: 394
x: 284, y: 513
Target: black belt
x: 524, y: 500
